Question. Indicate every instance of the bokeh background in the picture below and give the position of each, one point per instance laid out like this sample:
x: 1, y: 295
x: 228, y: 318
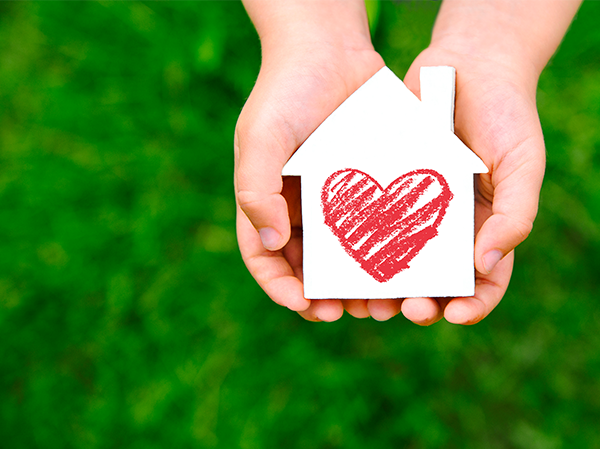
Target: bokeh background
x: 127, y: 318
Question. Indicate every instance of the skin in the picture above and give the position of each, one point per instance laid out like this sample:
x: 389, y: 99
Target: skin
x: 316, y: 54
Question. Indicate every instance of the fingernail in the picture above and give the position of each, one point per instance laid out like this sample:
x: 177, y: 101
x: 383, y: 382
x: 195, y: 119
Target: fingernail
x: 491, y: 259
x: 270, y: 238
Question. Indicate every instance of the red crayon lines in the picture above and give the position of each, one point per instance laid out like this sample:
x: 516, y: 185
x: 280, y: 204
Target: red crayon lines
x: 383, y: 230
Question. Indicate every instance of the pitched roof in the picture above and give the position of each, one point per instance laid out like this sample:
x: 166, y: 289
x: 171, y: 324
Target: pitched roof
x: 383, y: 119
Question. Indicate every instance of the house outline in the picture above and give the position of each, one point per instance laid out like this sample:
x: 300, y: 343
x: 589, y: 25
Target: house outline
x: 384, y: 130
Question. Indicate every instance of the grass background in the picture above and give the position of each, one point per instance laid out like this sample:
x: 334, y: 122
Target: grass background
x: 127, y: 319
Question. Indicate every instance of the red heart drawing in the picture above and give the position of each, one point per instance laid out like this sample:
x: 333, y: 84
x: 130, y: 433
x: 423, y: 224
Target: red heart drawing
x: 383, y: 230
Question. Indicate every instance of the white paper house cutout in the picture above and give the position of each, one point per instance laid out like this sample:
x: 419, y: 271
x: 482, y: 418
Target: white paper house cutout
x: 356, y: 234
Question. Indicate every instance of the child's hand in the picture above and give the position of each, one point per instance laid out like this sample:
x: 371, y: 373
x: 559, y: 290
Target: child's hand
x: 303, y: 79
x: 498, y: 49
x: 496, y: 116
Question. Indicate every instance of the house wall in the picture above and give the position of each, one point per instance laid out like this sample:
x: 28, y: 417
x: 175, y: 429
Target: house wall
x: 444, y: 267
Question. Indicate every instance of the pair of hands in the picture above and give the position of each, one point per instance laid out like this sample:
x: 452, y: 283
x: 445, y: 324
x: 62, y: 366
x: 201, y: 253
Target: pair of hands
x: 496, y: 117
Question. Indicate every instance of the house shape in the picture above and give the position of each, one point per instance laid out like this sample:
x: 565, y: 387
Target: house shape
x: 387, y: 194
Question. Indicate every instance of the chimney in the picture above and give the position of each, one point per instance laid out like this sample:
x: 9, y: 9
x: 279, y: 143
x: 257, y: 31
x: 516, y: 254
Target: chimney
x: 437, y: 94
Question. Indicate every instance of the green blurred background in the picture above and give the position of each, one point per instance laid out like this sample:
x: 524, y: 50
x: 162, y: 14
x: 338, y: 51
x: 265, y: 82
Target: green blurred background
x: 127, y: 318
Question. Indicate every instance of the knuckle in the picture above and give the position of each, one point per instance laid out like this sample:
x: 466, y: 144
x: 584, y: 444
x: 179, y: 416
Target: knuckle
x: 522, y: 227
x: 247, y: 199
x: 254, y: 204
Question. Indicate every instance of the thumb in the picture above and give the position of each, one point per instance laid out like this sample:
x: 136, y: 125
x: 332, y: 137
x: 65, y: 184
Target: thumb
x: 259, y: 159
x: 514, y: 208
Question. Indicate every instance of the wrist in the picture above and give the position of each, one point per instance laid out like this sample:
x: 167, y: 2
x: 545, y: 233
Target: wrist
x: 480, y: 45
x: 516, y: 36
x: 309, y: 25
x: 490, y: 60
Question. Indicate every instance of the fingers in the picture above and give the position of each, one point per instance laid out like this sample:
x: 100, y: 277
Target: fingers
x: 277, y: 272
x: 384, y: 309
x: 507, y: 135
x: 499, y: 235
x: 489, y: 290
x: 268, y: 214
x: 423, y: 311
x: 323, y: 310
x: 518, y: 180
x: 356, y: 307
x: 271, y: 269
x: 260, y: 155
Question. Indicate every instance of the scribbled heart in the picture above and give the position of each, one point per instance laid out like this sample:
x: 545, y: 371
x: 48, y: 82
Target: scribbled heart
x: 383, y: 230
